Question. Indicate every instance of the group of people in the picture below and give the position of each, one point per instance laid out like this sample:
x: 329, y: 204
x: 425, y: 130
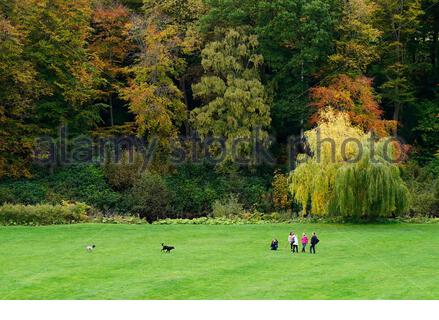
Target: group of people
x: 293, y: 240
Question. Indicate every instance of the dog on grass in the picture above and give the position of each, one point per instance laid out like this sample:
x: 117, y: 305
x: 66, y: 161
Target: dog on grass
x: 167, y: 249
x: 90, y: 247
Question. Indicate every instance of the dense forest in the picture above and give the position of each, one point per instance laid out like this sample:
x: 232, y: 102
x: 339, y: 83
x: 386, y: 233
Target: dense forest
x: 167, y: 69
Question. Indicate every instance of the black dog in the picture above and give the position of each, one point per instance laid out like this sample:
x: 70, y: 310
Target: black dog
x: 167, y: 249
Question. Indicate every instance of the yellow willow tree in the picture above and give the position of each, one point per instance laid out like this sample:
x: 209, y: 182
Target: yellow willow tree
x: 371, y: 186
x: 349, y: 174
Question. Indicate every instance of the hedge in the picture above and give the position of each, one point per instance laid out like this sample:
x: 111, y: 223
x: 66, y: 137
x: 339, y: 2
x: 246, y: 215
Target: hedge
x: 43, y: 214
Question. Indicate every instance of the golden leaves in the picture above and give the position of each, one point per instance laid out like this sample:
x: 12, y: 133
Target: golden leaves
x: 356, y: 97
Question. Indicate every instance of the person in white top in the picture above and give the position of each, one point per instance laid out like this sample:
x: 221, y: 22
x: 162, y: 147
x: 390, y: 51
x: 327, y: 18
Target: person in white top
x: 295, y: 244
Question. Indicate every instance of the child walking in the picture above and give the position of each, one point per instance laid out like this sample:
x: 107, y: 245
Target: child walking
x: 304, y: 242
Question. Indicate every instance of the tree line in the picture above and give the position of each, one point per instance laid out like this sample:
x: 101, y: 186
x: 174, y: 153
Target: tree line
x: 165, y: 68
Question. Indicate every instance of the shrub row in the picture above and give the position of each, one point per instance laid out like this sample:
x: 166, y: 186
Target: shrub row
x: 85, y: 183
x: 195, y: 188
x: 191, y: 191
x: 69, y: 213
x: 117, y: 219
x: 211, y: 221
x: 43, y: 214
x: 188, y: 192
x: 241, y: 221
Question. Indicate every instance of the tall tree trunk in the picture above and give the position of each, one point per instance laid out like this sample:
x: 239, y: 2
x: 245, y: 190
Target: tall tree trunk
x: 111, y: 110
x: 186, y: 102
x: 396, y: 112
x: 111, y: 93
x: 434, y: 50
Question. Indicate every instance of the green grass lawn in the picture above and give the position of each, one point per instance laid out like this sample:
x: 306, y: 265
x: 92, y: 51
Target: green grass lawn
x: 397, y: 261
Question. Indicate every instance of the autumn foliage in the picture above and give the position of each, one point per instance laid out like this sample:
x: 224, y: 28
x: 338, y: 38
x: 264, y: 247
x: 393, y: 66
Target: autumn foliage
x: 111, y: 44
x: 231, y: 69
x: 350, y: 172
x: 356, y: 97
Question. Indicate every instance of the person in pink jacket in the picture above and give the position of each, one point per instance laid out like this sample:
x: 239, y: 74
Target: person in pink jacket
x: 304, y: 242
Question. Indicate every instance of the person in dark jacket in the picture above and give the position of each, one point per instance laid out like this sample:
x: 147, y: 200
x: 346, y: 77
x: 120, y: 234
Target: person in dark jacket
x: 314, y: 241
x: 274, y: 244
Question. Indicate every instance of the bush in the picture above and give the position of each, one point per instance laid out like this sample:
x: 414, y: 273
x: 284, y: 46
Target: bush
x: 82, y: 183
x: 192, y: 196
x: 191, y: 190
x: 209, y: 221
x: 117, y: 219
x: 149, y: 198
x: 274, y: 218
x: 123, y: 175
x: 23, y: 192
x: 246, y: 218
x: 43, y: 214
x: 423, y: 185
x: 424, y: 202
x: 252, y: 191
x: 282, y: 199
x: 227, y: 208
x: 196, y: 187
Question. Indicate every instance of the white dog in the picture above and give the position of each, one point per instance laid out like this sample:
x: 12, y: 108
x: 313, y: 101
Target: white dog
x: 90, y: 247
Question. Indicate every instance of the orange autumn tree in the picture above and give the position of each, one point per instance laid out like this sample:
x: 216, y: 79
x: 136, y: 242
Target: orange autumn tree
x: 18, y: 91
x: 111, y: 43
x: 153, y: 96
x: 355, y: 96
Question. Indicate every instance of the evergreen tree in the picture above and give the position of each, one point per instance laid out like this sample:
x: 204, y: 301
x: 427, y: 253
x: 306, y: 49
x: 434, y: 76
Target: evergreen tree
x: 234, y: 99
x: 427, y: 128
x: 295, y: 37
x: 357, y: 46
x: 398, y: 21
x: 183, y: 16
